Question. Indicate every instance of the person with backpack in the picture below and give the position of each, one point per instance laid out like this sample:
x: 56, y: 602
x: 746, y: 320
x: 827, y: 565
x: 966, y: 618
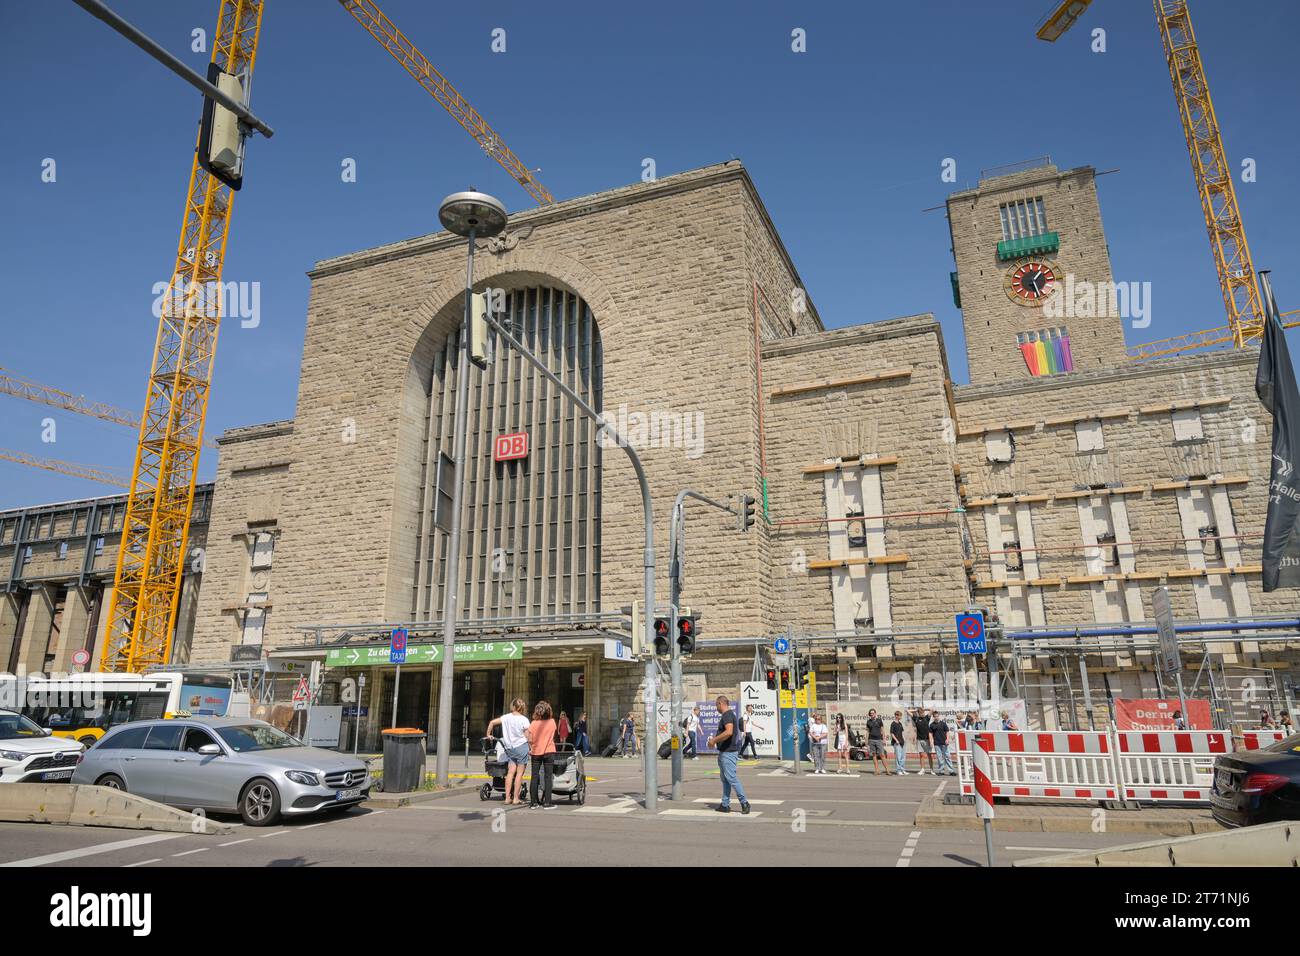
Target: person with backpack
x: 692, y: 725
x: 724, y: 741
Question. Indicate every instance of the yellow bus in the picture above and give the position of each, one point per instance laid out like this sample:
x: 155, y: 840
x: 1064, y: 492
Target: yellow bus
x: 84, y: 707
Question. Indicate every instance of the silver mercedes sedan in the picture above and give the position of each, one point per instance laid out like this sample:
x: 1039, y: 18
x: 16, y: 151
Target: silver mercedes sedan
x: 224, y: 764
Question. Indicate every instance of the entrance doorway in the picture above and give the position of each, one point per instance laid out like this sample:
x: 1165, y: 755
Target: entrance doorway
x: 477, y: 697
x: 563, y: 687
x: 412, y: 702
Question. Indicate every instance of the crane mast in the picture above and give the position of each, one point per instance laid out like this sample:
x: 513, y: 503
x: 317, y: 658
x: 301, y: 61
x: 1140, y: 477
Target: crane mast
x: 151, y: 557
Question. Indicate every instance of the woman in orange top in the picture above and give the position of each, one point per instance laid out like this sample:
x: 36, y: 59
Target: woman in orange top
x: 541, y: 743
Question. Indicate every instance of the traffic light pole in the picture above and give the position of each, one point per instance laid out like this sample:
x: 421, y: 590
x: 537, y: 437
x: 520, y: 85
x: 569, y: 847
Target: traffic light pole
x: 650, y: 752
x: 675, y: 547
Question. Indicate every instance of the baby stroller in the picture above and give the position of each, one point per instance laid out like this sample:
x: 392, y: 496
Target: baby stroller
x: 568, y: 776
x: 495, y: 766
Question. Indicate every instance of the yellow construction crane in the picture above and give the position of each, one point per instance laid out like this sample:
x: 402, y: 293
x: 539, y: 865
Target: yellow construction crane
x: 19, y: 387
x: 89, y: 472
x: 1210, y: 168
x: 151, y: 558
x: 368, y: 14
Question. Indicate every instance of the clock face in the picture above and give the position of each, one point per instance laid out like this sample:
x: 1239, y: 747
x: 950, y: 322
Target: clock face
x: 1029, y: 283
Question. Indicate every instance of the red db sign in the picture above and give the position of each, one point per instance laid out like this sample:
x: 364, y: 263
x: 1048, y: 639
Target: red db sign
x: 510, y: 447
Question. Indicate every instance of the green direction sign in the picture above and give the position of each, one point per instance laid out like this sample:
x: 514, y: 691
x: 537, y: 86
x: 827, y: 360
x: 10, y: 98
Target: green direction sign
x: 375, y: 655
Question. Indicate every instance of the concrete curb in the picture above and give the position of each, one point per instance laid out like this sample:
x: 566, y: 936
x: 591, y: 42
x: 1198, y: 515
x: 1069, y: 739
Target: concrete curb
x: 933, y: 814
x: 1274, y: 844
x: 392, y: 801
x: 65, y: 804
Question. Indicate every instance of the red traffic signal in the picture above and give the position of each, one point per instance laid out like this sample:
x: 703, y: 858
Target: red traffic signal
x: 771, y: 678
x: 661, y: 636
x: 686, y: 635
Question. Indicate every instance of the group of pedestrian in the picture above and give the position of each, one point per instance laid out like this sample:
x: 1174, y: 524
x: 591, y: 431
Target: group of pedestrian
x: 932, y: 732
x: 532, y: 741
x: 1282, y: 722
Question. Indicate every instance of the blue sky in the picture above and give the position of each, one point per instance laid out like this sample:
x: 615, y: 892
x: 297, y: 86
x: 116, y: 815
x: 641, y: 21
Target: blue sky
x: 845, y: 143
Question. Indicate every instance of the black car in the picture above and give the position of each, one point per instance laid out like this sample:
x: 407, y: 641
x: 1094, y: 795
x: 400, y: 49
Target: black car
x: 1258, y: 786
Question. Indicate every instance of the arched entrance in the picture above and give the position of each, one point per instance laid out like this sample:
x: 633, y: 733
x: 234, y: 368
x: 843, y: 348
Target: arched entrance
x: 531, y: 526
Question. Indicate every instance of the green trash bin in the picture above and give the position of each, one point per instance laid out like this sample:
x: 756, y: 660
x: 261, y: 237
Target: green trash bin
x: 403, y: 759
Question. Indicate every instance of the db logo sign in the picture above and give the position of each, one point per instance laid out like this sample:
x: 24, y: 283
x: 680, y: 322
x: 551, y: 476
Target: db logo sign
x: 510, y: 447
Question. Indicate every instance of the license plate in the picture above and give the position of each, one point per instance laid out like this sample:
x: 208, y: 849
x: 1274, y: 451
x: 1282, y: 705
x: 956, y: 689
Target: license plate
x: 1219, y: 800
x: 57, y: 775
x: 348, y: 794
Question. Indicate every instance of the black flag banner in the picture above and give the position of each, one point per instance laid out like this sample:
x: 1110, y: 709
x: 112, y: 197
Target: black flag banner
x: 1276, y: 387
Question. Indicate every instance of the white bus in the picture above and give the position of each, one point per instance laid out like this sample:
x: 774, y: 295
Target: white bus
x: 85, y: 706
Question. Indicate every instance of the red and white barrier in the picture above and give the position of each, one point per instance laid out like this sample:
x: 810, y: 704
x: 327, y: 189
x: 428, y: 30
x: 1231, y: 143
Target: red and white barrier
x: 1169, y: 766
x: 983, y: 782
x: 1255, y: 739
x: 1044, y: 766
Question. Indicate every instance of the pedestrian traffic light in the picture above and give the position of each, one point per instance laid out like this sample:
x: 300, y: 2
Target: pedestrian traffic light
x: 771, y: 678
x: 744, y: 512
x: 785, y: 679
x: 686, y: 633
x: 478, y: 330
x: 802, y: 667
x: 221, y: 139
x: 661, y: 637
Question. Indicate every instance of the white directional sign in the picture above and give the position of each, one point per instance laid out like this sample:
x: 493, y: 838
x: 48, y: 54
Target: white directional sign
x: 762, y: 721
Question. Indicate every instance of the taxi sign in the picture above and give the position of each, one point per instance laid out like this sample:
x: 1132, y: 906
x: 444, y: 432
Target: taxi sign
x: 970, y: 634
x: 397, y: 646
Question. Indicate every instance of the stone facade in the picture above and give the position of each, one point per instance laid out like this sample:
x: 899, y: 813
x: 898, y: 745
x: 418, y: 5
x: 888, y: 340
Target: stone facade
x: 888, y: 498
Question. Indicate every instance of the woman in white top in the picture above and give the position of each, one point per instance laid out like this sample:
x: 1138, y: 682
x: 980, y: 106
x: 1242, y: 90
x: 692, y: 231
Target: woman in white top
x: 514, y: 737
x: 817, y: 735
x: 842, y: 744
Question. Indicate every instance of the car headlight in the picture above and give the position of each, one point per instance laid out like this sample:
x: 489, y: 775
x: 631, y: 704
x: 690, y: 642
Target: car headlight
x: 303, y: 777
x: 15, y: 755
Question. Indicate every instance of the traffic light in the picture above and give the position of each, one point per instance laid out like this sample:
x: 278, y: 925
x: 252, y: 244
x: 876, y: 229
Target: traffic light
x: 221, y: 141
x: 785, y: 679
x: 686, y: 633
x: 802, y: 667
x: 744, y: 512
x: 771, y: 678
x: 478, y: 330
x: 661, y: 637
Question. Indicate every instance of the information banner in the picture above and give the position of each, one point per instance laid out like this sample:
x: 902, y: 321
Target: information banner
x: 759, y: 713
x: 1157, y: 714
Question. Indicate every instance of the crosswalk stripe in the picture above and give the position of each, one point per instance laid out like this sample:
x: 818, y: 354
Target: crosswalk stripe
x: 765, y: 803
x: 706, y: 813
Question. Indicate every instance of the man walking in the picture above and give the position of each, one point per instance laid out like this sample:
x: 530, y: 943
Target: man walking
x: 627, y: 734
x: 921, y: 721
x: 939, y: 731
x: 724, y: 741
x: 876, y: 742
x: 692, y: 723
x: 900, y: 745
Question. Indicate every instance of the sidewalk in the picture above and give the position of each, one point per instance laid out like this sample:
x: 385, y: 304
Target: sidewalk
x: 1068, y: 818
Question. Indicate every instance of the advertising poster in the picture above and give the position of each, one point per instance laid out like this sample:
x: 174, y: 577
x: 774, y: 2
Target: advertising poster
x: 1157, y: 714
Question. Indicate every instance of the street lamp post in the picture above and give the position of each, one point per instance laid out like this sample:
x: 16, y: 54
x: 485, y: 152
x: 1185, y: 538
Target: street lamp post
x: 473, y: 215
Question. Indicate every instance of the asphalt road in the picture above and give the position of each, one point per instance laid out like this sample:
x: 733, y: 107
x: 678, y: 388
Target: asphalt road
x: 854, y: 820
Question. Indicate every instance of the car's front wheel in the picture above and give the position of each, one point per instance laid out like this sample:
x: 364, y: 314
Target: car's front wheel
x: 112, y: 781
x: 259, y: 804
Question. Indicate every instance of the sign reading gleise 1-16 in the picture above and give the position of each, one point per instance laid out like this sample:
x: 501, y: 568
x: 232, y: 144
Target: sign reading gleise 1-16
x: 373, y: 655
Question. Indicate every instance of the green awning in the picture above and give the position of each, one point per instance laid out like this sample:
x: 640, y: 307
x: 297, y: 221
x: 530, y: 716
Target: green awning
x: 1029, y: 245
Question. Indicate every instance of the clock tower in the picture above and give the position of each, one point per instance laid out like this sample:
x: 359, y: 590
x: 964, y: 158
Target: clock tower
x: 1033, y: 275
